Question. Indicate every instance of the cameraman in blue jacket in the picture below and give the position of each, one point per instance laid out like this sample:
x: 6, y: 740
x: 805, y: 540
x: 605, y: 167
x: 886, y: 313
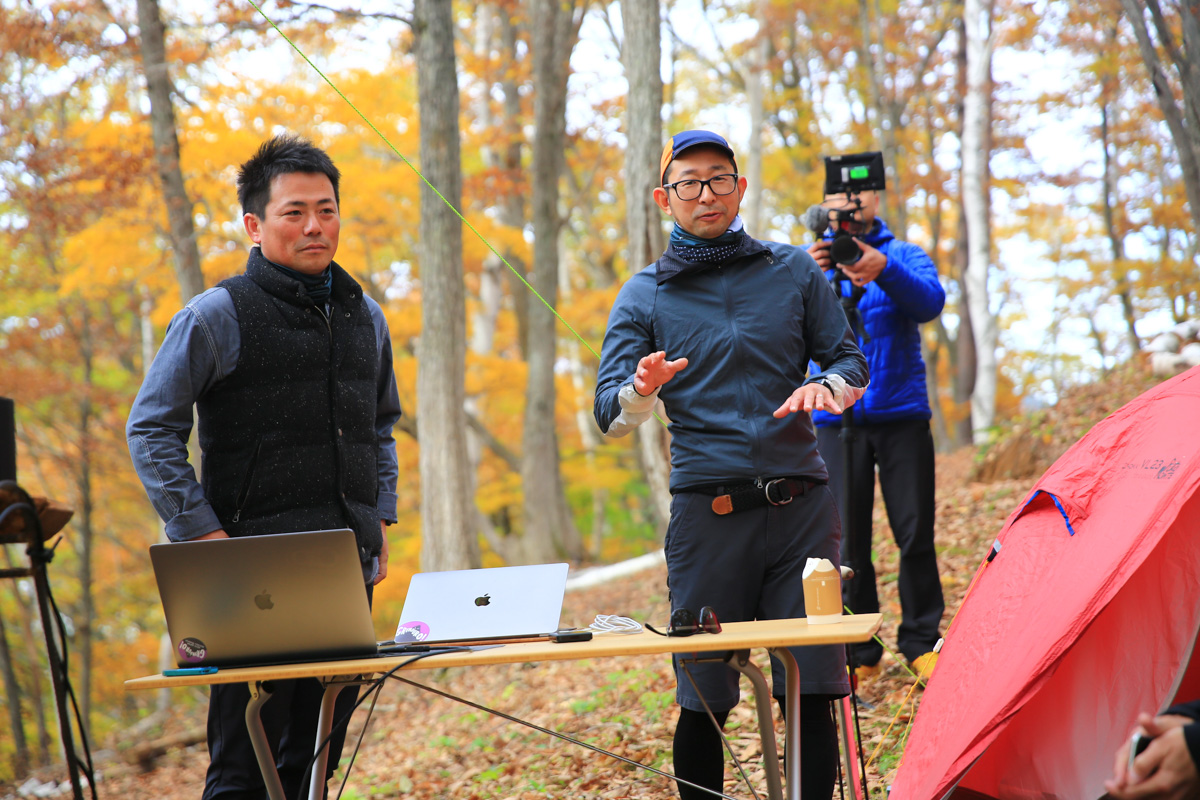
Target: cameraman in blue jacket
x: 889, y: 291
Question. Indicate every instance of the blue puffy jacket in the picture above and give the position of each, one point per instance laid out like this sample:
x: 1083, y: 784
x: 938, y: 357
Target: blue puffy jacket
x: 904, y: 295
x: 748, y: 328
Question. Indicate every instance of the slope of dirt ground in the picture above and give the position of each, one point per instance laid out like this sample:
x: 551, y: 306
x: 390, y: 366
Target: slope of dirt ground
x: 418, y: 745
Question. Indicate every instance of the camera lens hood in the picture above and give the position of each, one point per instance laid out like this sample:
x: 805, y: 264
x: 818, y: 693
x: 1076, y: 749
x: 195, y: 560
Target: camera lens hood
x: 844, y: 250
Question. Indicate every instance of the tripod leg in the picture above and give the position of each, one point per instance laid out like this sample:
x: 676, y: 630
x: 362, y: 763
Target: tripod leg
x: 57, y: 677
x: 850, y: 746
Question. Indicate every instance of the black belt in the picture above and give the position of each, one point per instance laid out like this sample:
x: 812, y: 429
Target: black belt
x: 732, y: 498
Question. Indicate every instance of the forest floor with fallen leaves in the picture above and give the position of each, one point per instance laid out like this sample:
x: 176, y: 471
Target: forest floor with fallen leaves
x: 418, y: 745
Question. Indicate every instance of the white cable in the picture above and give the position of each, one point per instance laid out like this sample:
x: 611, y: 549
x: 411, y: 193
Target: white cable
x: 614, y: 623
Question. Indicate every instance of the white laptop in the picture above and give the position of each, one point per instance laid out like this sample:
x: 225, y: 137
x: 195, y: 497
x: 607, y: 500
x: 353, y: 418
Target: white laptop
x: 483, y: 604
x: 264, y: 599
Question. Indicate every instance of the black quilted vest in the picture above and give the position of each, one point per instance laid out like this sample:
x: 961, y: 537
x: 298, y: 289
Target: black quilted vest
x: 288, y: 439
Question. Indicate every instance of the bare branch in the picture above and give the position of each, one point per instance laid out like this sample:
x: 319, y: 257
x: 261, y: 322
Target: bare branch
x: 350, y: 13
x: 495, y: 445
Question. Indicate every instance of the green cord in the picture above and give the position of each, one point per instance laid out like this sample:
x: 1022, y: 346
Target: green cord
x: 420, y: 175
x: 413, y: 167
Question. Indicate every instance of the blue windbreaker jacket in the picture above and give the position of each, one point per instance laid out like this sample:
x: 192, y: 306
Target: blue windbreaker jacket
x: 904, y: 295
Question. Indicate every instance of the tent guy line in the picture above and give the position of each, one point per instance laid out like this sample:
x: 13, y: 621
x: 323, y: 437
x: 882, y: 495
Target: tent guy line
x: 426, y: 181
x: 421, y: 175
x: 479, y: 235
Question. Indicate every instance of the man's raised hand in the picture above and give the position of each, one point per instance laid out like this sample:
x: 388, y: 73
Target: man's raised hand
x: 818, y: 397
x: 808, y: 397
x: 654, y: 370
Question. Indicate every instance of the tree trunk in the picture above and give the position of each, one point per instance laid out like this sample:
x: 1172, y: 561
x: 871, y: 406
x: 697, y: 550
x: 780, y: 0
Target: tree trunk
x: 166, y: 150
x: 32, y: 645
x: 1184, y: 124
x: 977, y: 16
x: 752, y: 203
x: 1120, y: 269
x: 886, y: 109
x: 548, y: 522
x: 448, y: 538
x: 589, y: 434
x: 964, y: 341
x: 12, y: 695
x: 86, y: 529
x: 166, y: 660
x: 570, y: 541
x: 642, y: 57
x: 491, y: 278
x: 931, y: 354
x: 512, y: 205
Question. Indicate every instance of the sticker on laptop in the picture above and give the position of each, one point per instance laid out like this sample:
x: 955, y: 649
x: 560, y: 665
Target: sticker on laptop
x: 412, y: 632
x: 191, y: 651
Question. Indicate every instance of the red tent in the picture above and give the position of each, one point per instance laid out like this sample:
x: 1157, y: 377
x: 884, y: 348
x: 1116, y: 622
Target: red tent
x: 1086, y: 614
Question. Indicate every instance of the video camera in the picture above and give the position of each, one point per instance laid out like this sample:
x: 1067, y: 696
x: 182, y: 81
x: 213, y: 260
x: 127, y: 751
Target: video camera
x: 848, y: 175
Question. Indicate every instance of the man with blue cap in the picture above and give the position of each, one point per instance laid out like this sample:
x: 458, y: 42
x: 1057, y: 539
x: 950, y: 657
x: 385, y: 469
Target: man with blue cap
x: 721, y: 329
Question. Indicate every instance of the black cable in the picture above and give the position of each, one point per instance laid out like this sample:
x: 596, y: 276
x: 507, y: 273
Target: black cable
x: 862, y: 762
x: 40, y: 558
x: 374, y: 687
x: 721, y: 731
x: 86, y: 765
x: 558, y: 735
x: 361, y: 735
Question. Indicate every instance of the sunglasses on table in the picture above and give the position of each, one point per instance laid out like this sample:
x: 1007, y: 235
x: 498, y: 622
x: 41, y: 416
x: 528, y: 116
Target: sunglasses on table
x: 684, y: 622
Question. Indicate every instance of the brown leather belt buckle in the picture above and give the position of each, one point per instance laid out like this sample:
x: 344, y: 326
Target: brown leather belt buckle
x: 722, y: 504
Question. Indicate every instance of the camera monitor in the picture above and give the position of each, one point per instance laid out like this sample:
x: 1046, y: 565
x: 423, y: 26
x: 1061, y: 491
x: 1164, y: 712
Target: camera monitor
x: 857, y: 172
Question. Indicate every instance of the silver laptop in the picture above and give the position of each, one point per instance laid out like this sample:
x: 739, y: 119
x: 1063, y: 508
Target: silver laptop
x: 264, y: 599
x: 482, y: 604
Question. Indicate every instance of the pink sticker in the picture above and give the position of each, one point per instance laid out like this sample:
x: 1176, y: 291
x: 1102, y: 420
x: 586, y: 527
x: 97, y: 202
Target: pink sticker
x: 191, y: 651
x: 412, y: 632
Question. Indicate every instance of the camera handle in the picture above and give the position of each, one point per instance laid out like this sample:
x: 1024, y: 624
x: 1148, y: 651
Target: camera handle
x: 850, y: 304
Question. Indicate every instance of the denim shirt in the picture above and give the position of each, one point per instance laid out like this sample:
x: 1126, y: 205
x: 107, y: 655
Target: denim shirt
x: 200, y: 349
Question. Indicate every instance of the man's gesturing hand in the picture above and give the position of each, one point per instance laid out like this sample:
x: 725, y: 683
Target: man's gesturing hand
x: 654, y: 370
x: 817, y: 396
x: 808, y: 397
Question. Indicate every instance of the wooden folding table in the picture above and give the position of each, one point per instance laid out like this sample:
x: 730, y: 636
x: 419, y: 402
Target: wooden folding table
x: 737, y: 639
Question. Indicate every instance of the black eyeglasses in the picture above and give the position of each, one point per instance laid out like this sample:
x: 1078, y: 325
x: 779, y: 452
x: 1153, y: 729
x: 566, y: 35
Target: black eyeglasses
x: 692, y: 189
x: 685, y: 623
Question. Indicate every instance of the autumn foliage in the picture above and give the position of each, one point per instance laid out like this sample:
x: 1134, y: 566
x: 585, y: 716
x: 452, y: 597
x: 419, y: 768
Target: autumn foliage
x: 88, y: 287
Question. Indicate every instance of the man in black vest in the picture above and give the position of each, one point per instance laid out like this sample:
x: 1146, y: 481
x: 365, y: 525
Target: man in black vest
x: 289, y: 366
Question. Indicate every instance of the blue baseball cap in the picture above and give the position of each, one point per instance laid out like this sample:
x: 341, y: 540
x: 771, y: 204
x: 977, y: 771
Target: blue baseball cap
x: 682, y: 141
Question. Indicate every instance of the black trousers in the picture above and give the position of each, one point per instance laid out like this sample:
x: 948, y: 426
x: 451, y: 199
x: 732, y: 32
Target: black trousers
x: 903, y: 453
x: 290, y: 721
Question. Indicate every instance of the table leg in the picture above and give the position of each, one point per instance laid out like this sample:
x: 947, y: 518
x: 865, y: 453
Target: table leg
x: 316, y: 785
x: 258, y: 738
x: 766, y: 720
x: 792, y: 741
